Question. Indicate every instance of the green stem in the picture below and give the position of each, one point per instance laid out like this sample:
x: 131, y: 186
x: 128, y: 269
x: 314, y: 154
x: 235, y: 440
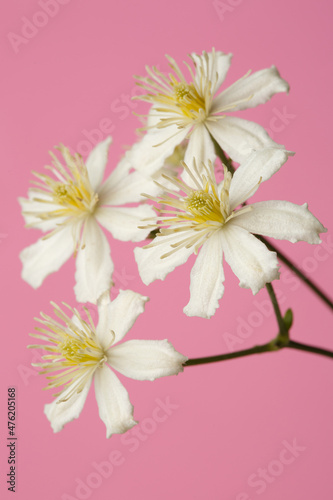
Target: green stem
x: 317, y: 290
x: 281, y: 341
x: 283, y: 335
x: 257, y: 350
x: 309, y: 348
x: 221, y: 154
x: 224, y: 357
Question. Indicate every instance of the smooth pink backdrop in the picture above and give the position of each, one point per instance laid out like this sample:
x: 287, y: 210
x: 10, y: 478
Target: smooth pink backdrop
x: 227, y: 421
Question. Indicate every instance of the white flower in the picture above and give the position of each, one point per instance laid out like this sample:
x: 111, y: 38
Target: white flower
x: 181, y: 109
x: 81, y: 352
x: 69, y: 207
x: 207, y: 216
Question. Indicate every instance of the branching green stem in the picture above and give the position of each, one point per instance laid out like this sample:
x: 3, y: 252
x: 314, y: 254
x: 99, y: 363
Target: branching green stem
x: 281, y: 341
x: 257, y: 350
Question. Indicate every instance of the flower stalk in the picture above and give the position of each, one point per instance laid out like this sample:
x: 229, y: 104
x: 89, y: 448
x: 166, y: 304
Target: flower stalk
x: 269, y: 347
x: 281, y: 341
x: 283, y: 258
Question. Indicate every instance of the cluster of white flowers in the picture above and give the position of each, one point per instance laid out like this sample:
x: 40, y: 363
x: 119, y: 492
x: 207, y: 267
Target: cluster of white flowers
x: 187, y: 120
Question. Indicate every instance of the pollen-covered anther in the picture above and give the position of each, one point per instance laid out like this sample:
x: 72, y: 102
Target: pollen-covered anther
x: 188, y: 100
x: 75, y: 198
x: 197, y: 213
x: 182, y: 90
x: 181, y: 102
x: 204, y: 206
x: 77, y: 351
x: 60, y: 191
x: 71, y: 188
x: 74, y: 351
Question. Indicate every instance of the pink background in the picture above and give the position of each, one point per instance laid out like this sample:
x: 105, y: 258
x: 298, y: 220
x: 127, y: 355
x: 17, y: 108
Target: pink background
x: 73, y: 76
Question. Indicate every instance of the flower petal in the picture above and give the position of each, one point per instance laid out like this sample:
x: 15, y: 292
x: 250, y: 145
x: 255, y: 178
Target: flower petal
x: 248, y: 258
x: 123, y: 187
x: 96, y: 162
x: 46, y: 256
x: 94, y: 266
x: 32, y: 209
x: 148, y: 155
x: 213, y: 66
x: 251, y: 91
x: 60, y: 414
x: 123, y: 222
x: 207, y: 279
x: 200, y: 148
x: 114, y: 406
x: 118, y: 315
x: 238, y: 137
x: 146, y: 359
x: 150, y: 264
x: 259, y: 167
x: 282, y: 220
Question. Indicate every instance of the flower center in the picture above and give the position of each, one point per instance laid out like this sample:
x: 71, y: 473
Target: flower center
x: 78, y: 351
x: 195, y: 216
x: 178, y: 102
x: 71, y: 188
x: 73, y: 351
x: 75, y: 197
x: 188, y: 100
x: 204, y: 206
x: 181, y: 90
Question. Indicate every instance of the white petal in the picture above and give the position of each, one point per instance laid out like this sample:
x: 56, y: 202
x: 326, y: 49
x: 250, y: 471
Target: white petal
x: 207, y: 279
x: 148, y: 155
x: 123, y: 222
x: 201, y: 148
x: 152, y: 267
x: 114, y: 406
x: 248, y: 258
x: 238, y: 137
x: 282, y: 220
x: 256, y: 89
x: 94, y: 266
x: 116, y: 177
x: 119, y: 315
x: 259, y: 167
x: 124, y: 187
x: 31, y: 210
x: 146, y: 359
x: 60, y: 414
x: 213, y: 66
x: 46, y: 256
x: 154, y: 117
x: 96, y: 162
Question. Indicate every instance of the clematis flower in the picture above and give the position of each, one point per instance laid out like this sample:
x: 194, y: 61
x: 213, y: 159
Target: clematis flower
x: 212, y: 217
x: 68, y: 208
x: 182, y: 109
x: 81, y: 352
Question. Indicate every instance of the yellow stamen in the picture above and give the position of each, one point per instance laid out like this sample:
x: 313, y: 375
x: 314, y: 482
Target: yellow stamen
x: 204, y: 206
x: 195, y: 215
x: 76, y: 351
x: 70, y: 189
x: 182, y: 102
x: 68, y: 195
x: 188, y: 99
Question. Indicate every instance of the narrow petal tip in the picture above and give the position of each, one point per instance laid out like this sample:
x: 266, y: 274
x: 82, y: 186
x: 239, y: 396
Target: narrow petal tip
x: 125, y: 426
